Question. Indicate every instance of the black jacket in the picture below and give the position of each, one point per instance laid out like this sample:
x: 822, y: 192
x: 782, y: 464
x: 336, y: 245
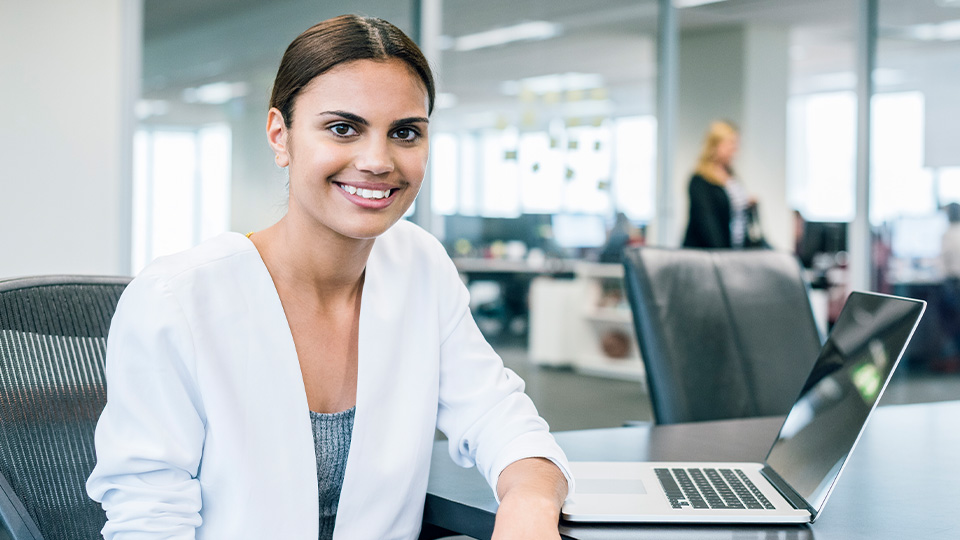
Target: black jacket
x: 709, y: 224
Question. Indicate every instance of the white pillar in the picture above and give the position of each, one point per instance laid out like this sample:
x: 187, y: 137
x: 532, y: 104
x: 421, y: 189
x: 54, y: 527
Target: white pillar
x: 70, y: 73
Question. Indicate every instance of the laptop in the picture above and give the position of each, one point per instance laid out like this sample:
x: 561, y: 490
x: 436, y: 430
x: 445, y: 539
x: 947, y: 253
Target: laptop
x: 802, y: 467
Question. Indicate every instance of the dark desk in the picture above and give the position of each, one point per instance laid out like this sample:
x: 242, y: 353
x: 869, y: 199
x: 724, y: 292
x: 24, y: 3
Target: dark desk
x: 899, y: 484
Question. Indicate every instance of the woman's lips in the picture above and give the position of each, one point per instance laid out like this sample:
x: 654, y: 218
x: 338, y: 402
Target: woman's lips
x: 367, y: 197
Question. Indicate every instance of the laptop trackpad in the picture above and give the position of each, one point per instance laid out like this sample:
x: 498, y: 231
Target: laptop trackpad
x: 610, y: 486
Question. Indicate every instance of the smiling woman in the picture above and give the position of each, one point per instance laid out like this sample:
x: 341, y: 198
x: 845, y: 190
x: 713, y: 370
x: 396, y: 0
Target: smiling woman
x: 360, y: 134
x: 288, y: 383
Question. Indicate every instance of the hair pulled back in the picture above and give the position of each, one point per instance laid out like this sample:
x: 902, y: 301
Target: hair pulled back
x: 339, y: 40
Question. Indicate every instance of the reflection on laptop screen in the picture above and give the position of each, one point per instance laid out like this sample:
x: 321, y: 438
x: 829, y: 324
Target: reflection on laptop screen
x: 845, y: 385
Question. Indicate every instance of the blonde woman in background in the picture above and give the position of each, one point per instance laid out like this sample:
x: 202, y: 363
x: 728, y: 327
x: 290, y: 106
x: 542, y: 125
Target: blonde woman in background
x: 721, y: 211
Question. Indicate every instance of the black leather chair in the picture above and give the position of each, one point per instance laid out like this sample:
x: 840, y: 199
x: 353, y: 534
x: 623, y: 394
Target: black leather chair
x: 52, y: 346
x: 722, y: 333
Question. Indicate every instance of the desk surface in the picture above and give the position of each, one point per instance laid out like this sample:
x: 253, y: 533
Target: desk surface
x: 899, y: 483
x: 506, y: 266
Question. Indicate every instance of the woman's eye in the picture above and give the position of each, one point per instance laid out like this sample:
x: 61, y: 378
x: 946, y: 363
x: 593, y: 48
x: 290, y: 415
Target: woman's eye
x: 406, y: 134
x: 343, y: 130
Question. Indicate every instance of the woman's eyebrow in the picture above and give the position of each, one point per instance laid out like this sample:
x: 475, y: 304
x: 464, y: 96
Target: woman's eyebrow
x: 410, y: 120
x: 363, y: 121
x: 347, y: 116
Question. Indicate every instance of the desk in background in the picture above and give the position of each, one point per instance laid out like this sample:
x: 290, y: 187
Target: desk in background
x: 513, y: 278
x: 900, y: 482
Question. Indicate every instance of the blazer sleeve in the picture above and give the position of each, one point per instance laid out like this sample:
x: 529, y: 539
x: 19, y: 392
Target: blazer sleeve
x: 487, y: 418
x: 149, y: 438
x: 706, y: 218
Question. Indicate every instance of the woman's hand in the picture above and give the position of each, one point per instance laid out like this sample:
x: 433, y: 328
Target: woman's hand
x: 531, y: 493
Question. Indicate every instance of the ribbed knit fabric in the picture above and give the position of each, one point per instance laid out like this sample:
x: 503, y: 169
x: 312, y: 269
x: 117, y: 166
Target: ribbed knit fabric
x: 331, y: 439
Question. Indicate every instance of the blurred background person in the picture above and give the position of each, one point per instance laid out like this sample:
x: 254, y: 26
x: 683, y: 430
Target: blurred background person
x: 622, y: 234
x: 722, y: 214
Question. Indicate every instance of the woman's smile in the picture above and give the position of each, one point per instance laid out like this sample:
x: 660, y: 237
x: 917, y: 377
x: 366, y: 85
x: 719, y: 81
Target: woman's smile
x: 366, y: 195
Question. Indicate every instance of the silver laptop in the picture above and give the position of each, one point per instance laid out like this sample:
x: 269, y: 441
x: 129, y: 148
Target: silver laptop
x: 793, y: 483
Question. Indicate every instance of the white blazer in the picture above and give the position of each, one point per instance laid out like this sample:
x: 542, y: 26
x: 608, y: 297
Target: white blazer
x: 206, y: 432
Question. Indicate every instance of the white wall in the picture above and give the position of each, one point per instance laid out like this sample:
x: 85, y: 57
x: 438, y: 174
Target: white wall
x: 70, y: 71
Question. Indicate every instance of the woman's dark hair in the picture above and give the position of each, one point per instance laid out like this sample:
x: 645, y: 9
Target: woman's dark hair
x: 338, y: 40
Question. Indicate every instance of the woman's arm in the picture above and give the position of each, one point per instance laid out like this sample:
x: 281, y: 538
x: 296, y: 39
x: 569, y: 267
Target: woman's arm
x: 531, y: 493
x: 492, y: 423
x: 149, y: 438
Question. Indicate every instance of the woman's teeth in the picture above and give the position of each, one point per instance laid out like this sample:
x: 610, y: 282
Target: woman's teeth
x: 366, y: 193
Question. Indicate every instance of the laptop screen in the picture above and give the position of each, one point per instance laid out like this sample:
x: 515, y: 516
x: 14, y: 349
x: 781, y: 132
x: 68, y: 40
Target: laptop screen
x: 851, y: 372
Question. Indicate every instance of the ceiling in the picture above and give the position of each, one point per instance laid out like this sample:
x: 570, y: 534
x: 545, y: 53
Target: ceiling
x: 189, y: 43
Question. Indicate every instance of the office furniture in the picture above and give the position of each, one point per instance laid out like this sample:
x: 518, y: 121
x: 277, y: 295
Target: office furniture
x: 52, y: 345
x: 897, y: 484
x: 722, y: 333
x: 584, y: 323
x: 935, y: 347
x: 512, y: 278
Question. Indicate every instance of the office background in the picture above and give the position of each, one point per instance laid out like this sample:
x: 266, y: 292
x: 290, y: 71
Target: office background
x: 133, y: 128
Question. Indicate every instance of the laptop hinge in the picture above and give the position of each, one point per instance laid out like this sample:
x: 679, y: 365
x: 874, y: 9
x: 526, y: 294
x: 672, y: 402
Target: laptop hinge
x: 792, y: 497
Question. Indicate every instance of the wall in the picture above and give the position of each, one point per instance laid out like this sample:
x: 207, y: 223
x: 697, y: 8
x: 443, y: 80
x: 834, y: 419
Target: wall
x: 69, y: 72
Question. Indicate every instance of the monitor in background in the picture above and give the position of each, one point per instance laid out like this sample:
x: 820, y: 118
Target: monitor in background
x: 457, y: 227
x: 505, y: 230
x: 822, y: 237
x: 572, y: 231
x: 918, y: 237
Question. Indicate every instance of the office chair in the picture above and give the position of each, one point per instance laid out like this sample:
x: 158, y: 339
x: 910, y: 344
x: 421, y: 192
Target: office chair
x: 722, y: 333
x: 52, y: 345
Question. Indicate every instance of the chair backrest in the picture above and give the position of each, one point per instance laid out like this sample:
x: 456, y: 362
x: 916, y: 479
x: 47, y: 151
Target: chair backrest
x: 52, y: 345
x: 722, y: 333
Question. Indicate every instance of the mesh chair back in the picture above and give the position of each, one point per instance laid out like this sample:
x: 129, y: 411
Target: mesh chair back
x: 52, y: 347
x: 722, y: 333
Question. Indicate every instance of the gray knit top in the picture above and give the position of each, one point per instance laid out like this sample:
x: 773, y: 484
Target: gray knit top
x: 331, y: 440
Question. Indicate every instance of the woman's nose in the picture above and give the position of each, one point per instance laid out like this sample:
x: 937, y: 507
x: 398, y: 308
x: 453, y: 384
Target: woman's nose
x: 375, y: 158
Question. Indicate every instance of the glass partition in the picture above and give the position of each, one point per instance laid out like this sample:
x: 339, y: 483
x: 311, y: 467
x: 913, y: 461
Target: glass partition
x: 915, y: 170
x: 546, y: 108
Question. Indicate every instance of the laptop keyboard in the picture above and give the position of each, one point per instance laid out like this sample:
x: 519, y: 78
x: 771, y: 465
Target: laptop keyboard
x: 711, y: 488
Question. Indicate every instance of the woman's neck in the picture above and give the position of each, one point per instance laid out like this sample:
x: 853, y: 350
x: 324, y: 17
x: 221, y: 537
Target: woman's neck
x: 312, y: 259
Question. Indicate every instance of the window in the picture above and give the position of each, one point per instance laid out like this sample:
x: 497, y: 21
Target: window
x: 901, y: 186
x: 821, y: 155
x: 181, y: 189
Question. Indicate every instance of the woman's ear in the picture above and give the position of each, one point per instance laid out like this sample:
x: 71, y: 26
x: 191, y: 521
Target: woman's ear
x: 277, y: 136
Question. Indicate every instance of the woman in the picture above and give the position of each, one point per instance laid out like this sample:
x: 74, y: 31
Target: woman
x: 251, y: 377
x: 721, y: 213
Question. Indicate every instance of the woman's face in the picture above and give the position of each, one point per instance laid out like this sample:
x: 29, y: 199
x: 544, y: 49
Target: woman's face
x: 357, y: 148
x: 727, y: 149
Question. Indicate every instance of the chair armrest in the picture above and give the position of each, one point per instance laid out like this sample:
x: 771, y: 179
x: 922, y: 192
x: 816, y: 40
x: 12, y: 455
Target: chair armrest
x: 17, y: 523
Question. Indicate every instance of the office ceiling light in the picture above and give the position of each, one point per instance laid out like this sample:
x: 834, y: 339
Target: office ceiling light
x: 445, y: 100
x: 526, y: 31
x: 945, y: 31
x: 145, y: 108
x: 555, y: 83
x: 216, y: 93
x: 693, y: 3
